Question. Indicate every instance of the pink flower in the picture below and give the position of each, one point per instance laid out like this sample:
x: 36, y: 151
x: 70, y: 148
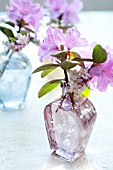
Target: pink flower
x: 88, y: 54
x: 67, y: 12
x: 19, y: 43
x: 103, y: 74
x: 55, y: 39
x: 56, y: 7
x: 73, y: 39
x: 51, y: 43
x: 70, y: 15
x: 78, y: 80
x: 26, y: 10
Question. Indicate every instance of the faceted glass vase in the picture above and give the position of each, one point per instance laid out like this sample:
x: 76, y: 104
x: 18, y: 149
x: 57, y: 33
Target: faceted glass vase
x: 69, y: 128
x: 15, y: 81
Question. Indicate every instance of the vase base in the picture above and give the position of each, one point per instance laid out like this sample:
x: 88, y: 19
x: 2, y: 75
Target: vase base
x: 68, y: 156
x: 9, y: 106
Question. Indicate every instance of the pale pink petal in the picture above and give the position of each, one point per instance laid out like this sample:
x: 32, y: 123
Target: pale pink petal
x: 84, y: 54
x: 102, y: 83
x: 73, y: 39
x: 95, y: 71
x: 93, y: 44
x: 59, y: 37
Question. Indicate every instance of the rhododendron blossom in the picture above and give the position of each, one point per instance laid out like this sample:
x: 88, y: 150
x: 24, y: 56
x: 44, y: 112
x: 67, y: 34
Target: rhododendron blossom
x: 67, y: 13
x: 83, y: 69
x: 25, y: 10
x: 56, y: 38
x: 51, y: 43
x: 56, y: 8
x: 73, y: 39
x: 103, y: 74
x: 71, y: 12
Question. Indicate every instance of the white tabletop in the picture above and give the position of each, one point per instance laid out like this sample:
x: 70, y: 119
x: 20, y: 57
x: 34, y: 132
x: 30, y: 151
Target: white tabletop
x: 23, y: 140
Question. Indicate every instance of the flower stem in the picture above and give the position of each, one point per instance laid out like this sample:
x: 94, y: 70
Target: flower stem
x: 83, y: 59
x: 7, y: 62
x: 59, y: 20
x: 72, y: 100
x: 66, y: 76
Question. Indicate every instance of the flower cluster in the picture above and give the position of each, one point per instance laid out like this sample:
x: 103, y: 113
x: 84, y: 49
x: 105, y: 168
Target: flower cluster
x: 20, y: 27
x: 64, y: 12
x: 82, y: 69
x: 23, y: 17
x: 102, y: 74
x: 56, y: 39
x: 19, y: 43
x: 27, y: 11
x: 78, y: 80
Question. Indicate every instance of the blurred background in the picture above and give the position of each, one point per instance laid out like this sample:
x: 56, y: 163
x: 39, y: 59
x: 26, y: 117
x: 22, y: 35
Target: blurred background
x: 91, y: 5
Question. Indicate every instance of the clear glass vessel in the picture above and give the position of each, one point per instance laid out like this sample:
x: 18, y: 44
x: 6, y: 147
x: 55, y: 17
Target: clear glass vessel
x: 69, y: 126
x: 15, y: 81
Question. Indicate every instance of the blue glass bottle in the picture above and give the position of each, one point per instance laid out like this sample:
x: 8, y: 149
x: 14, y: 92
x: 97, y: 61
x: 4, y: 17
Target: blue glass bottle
x: 15, y: 81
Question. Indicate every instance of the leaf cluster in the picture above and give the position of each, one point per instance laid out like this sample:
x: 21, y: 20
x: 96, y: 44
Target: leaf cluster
x: 67, y: 60
x: 20, y: 27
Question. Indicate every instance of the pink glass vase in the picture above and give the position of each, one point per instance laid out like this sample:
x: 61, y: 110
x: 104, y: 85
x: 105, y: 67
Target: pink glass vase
x: 69, y: 126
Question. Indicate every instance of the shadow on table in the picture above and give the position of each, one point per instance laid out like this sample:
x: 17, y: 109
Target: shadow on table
x: 55, y: 163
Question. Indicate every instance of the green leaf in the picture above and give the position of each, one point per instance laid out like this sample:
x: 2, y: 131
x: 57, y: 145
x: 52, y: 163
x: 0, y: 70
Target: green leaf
x: 99, y: 54
x: 45, y: 67
x: 12, y: 39
x: 28, y: 29
x: 46, y: 72
x: 74, y: 55
x: 49, y: 87
x: 67, y: 64
x: 10, y: 23
x: 8, y: 32
x: 86, y: 92
x: 60, y: 54
x: 23, y: 32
